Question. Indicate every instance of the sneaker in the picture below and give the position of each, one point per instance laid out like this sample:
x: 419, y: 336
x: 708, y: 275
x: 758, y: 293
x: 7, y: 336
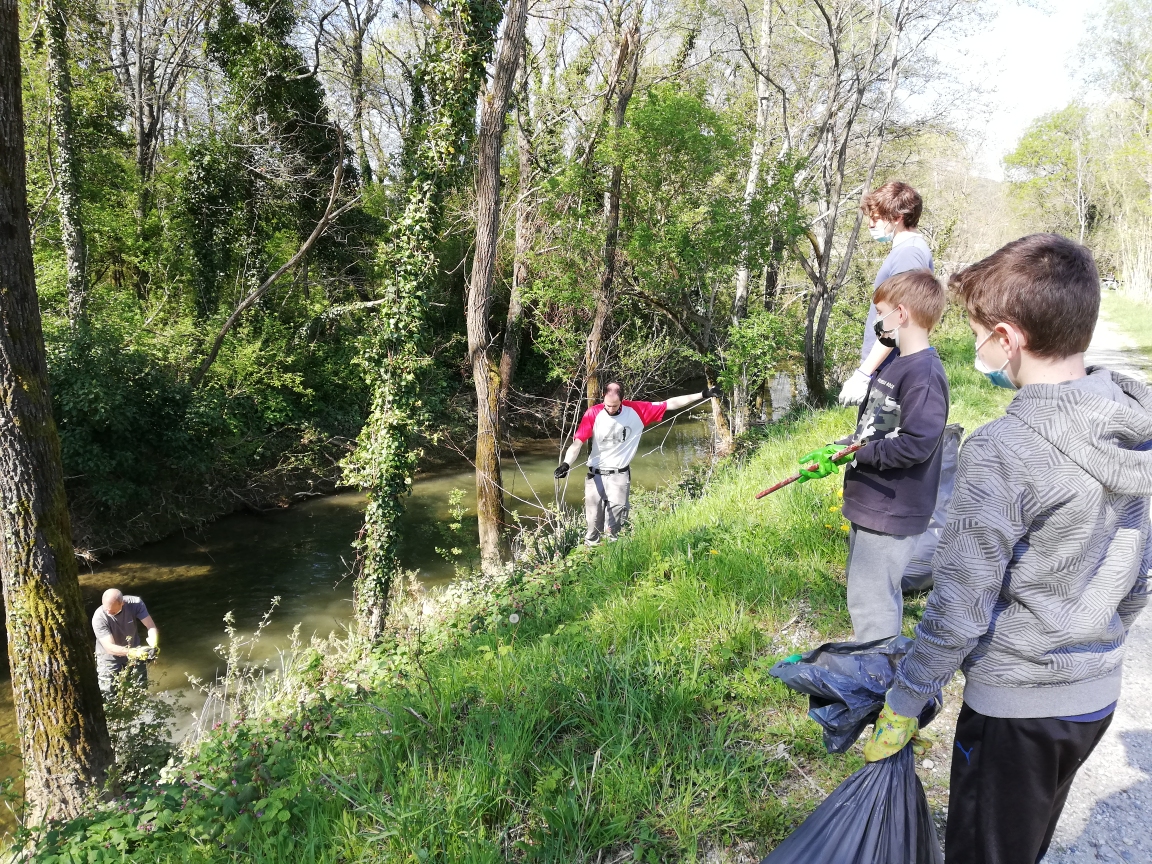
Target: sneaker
x: 591, y: 543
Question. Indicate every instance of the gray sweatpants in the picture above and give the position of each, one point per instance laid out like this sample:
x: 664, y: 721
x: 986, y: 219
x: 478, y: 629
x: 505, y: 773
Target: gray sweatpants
x: 606, y: 503
x: 876, y: 563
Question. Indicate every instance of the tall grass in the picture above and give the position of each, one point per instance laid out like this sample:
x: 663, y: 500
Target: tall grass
x: 624, y: 713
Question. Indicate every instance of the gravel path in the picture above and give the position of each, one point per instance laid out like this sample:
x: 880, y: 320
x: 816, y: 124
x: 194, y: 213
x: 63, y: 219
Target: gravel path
x: 1109, y: 812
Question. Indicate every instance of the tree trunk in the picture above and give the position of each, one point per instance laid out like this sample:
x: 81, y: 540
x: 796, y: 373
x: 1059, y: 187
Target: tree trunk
x: 826, y: 285
x: 724, y: 439
x: 68, y: 180
x: 756, y: 159
x: 628, y: 65
x: 356, y: 82
x: 772, y: 274
x: 59, y: 713
x: 525, y: 229
x: 485, y: 373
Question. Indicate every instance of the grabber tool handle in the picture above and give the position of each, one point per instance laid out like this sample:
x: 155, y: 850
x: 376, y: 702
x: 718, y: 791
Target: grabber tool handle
x: 851, y: 448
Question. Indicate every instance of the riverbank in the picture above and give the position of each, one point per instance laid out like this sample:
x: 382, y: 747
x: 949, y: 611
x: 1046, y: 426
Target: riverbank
x: 612, y: 705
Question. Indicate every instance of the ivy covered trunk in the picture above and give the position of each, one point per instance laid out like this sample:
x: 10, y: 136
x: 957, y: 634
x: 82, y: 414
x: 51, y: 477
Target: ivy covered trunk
x: 445, y: 82
x: 59, y: 713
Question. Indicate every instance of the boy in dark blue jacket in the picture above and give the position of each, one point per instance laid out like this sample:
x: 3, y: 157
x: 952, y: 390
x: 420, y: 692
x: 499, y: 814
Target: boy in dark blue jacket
x: 890, y: 489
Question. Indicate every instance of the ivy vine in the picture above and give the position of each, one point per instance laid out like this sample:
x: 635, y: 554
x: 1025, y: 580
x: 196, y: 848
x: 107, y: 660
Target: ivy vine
x: 445, y: 83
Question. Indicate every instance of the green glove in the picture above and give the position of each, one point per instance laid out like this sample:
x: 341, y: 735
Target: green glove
x: 825, y: 464
x: 891, y: 735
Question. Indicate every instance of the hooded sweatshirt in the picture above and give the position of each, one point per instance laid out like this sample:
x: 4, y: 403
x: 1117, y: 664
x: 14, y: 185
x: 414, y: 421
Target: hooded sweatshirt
x: 1043, y: 564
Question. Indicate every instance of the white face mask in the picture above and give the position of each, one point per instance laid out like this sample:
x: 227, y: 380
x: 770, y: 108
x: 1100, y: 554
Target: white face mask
x: 998, y: 377
x: 882, y: 232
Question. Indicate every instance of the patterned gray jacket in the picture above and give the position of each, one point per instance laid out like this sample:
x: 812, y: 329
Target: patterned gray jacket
x: 1044, y: 561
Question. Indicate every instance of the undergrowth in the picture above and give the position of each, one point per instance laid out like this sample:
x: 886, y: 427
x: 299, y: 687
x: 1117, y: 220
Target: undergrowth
x: 611, y: 705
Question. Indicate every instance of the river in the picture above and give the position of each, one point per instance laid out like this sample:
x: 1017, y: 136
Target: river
x: 303, y: 555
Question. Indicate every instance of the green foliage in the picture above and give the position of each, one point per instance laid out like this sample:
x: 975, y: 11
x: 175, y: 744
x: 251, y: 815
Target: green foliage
x: 244, y: 792
x: 213, y: 200
x: 458, y: 551
x: 763, y: 344
x: 1051, y: 172
x: 140, y: 726
x: 684, y: 229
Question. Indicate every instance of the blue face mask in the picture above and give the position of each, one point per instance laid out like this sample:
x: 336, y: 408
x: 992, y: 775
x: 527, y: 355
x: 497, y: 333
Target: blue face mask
x: 998, y: 377
x: 882, y: 232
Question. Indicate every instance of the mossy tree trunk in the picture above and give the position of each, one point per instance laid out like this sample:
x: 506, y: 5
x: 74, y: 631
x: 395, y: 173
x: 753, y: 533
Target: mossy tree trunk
x: 478, y: 306
x: 59, y: 714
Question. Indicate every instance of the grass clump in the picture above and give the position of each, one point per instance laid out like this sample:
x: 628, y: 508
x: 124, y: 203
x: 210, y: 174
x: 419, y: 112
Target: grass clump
x: 614, y: 705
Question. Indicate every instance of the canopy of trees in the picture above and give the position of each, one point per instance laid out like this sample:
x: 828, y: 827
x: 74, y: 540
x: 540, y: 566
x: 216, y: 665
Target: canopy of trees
x: 283, y: 246
x: 1086, y: 170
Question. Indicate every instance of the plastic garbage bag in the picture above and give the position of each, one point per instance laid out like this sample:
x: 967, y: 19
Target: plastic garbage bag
x: 918, y: 574
x: 879, y: 815
x: 846, y: 683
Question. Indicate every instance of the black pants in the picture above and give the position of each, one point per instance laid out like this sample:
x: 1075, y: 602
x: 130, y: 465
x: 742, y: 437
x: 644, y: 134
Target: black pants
x: 1010, y: 778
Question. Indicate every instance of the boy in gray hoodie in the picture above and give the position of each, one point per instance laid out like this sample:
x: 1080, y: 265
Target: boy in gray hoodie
x: 1043, y: 565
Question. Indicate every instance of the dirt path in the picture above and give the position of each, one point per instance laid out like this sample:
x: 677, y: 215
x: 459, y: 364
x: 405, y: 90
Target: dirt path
x: 1109, y: 810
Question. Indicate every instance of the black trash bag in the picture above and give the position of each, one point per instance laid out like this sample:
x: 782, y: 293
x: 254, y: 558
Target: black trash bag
x: 879, y: 815
x: 918, y: 574
x: 846, y: 683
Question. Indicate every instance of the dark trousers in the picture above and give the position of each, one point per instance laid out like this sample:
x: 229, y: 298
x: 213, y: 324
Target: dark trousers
x: 1010, y: 778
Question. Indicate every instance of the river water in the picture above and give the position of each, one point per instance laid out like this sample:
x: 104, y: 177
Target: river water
x: 303, y: 555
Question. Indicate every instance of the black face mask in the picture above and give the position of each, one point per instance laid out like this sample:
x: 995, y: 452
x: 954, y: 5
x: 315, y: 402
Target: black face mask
x: 878, y: 329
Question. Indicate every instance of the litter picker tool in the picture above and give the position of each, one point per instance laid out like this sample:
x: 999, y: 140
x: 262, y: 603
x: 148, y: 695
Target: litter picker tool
x: 847, y: 451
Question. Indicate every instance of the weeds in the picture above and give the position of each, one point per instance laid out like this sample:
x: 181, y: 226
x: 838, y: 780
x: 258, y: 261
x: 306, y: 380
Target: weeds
x: 140, y: 726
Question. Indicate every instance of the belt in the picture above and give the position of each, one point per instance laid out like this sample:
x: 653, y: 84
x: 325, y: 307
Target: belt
x: 606, y: 471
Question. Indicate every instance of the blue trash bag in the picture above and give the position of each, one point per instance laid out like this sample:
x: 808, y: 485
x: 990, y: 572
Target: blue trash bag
x: 846, y: 683
x: 879, y: 815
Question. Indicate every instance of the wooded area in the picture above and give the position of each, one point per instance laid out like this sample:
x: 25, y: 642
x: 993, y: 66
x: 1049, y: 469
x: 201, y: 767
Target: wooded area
x: 284, y: 247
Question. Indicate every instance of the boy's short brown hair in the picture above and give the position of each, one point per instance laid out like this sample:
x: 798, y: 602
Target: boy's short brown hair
x: 1045, y: 284
x: 919, y: 292
x: 894, y: 201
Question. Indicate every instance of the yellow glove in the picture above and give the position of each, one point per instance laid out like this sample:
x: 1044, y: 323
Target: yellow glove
x: 138, y: 654
x: 891, y: 734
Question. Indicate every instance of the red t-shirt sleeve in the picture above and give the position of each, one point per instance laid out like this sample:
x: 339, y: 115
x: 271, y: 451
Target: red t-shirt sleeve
x: 584, y: 430
x: 650, y: 412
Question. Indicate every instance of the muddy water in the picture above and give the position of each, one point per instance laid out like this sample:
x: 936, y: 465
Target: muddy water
x: 303, y: 554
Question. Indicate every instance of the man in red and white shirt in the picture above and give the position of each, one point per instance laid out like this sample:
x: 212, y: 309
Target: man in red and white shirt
x: 614, y: 428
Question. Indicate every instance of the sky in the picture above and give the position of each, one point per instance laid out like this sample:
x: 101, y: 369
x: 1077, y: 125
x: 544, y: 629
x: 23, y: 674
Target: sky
x: 1027, y: 58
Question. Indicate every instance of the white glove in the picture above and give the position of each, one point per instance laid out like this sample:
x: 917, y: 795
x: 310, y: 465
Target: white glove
x: 855, y: 388
x: 153, y: 640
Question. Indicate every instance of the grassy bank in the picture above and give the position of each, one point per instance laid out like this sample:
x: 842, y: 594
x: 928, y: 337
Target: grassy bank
x: 614, y: 706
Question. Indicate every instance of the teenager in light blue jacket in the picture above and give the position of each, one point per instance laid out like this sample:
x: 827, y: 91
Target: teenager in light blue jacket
x: 893, y: 212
